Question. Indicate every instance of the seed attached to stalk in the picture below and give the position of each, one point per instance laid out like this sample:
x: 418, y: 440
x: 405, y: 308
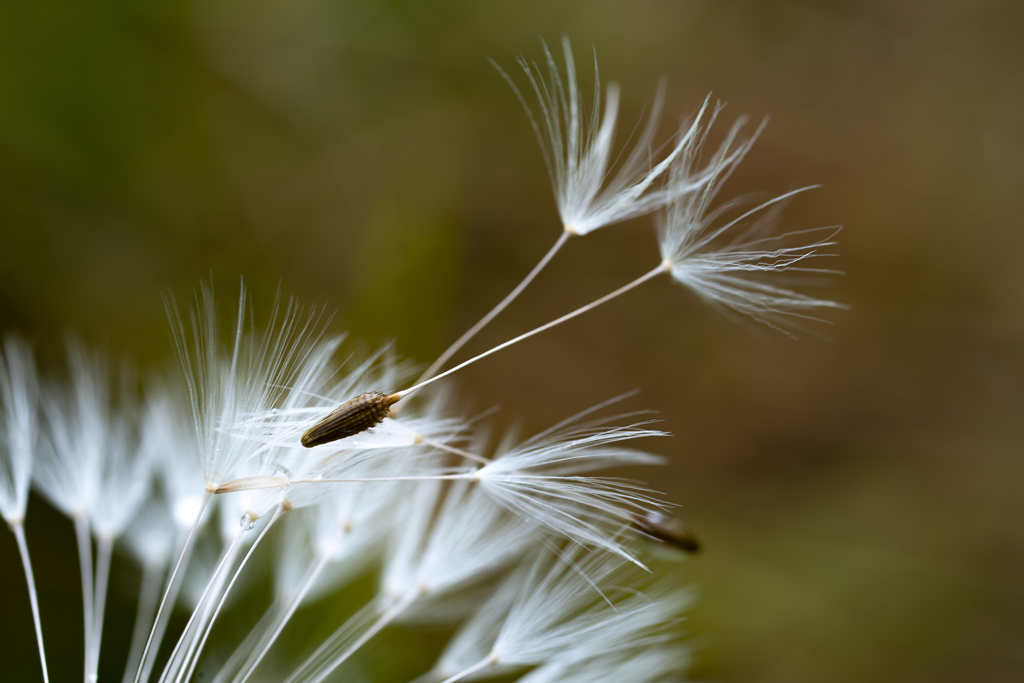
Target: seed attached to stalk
x: 674, y: 532
x: 352, y: 417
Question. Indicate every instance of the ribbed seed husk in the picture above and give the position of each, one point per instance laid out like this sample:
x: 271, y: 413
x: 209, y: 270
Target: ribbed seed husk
x: 352, y: 417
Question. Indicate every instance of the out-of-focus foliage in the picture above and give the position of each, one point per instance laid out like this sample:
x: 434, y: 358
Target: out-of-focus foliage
x: 858, y: 498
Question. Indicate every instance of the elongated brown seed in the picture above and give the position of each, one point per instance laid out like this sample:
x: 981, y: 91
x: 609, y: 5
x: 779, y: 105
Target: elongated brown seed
x: 356, y: 415
x: 674, y: 532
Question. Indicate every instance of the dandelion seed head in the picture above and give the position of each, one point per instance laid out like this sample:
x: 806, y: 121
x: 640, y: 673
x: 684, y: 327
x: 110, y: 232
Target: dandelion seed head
x: 466, y: 541
x: 77, y: 422
x: 124, y: 480
x: 541, y: 480
x: 242, y: 386
x: 577, y: 144
x: 18, y: 425
x: 730, y: 256
x: 558, y: 614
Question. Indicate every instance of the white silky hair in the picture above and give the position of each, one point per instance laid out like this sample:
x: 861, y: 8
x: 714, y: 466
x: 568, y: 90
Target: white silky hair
x: 321, y: 384
x: 475, y: 638
x: 728, y: 260
x: 578, y: 147
x: 124, y: 481
x: 347, y: 530
x: 77, y: 433
x: 541, y: 480
x: 346, y: 533
x: 563, y: 609
x: 18, y: 426
x: 228, y: 388
x: 558, y: 614
x: 646, y: 665
x: 169, y: 439
x: 468, y: 540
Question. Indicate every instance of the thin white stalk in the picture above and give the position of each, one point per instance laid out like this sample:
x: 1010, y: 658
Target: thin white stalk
x: 340, y: 635
x: 149, y: 593
x: 84, y: 541
x: 281, y: 509
x: 385, y: 619
x: 427, y: 677
x: 255, y: 483
x: 104, y: 548
x: 250, y: 666
x: 443, y: 358
x: 248, y: 646
x: 170, y: 582
x: 18, y: 528
x: 662, y: 268
x: 482, y: 664
x: 456, y: 451
x: 160, y: 625
x: 187, y: 641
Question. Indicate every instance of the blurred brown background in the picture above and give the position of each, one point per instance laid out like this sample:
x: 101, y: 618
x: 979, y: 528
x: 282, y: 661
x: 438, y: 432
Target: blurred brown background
x: 859, y: 497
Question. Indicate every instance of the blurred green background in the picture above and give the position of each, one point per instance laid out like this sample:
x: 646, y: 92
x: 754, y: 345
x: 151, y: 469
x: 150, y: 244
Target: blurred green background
x: 859, y: 497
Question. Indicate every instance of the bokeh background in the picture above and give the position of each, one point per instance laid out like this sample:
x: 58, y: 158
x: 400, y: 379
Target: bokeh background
x: 859, y: 496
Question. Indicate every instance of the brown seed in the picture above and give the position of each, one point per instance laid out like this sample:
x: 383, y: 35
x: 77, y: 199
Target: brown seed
x: 356, y: 415
x: 674, y: 532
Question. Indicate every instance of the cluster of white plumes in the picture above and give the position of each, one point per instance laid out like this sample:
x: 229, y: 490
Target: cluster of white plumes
x: 517, y: 540
x: 441, y: 527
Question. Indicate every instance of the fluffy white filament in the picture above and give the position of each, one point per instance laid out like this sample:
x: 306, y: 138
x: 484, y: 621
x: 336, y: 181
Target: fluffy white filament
x: 729, y: 255
x: 554, y: 614
x: 18, y: 440
x: 578, y: 147
x: 542, y: 480
x: 78, y: 421
x: 241, y: 385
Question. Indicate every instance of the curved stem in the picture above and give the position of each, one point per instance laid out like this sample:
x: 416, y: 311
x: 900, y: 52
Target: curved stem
x: 340, y: 635
x: 281, y: 509
x: 443, y: 358
x: 170, y: 582
x: 104, y: 547
x: 187, y: 640
x: 568, y: 316
x: 376, y: 628
x: 456, y: 451
x: 482, y: 664
x: 160, y: 625
x: 254, y: 483
x: 245, y: 651
x: 85, y: 564
x: 250, y: 666
x: 149, y: 593
x: 19, y: 534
